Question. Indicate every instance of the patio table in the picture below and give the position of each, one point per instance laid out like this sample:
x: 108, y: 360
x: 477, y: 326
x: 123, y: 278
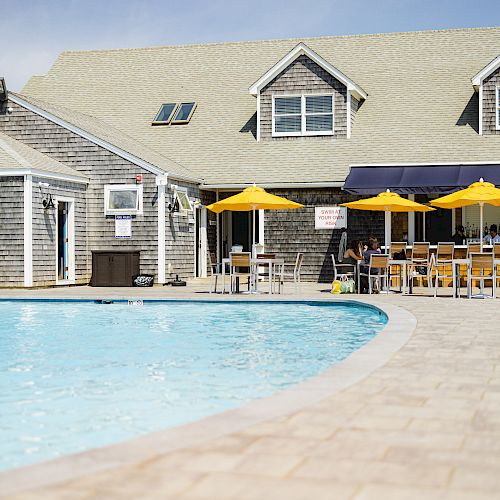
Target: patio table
x: 392, y: 262
x: 456, y: 263
x: 263, y: 262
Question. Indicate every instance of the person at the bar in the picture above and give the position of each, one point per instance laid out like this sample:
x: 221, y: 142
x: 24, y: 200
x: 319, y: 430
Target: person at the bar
x: 459, y: 237
x: 493, y: 237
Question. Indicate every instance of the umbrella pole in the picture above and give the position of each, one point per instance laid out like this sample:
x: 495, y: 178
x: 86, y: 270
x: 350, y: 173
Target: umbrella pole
x: 481, y: 206
x: 387, y: 230
x: 253, y: 234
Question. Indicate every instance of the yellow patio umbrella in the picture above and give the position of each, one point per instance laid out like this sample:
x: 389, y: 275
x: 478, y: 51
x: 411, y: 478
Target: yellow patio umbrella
x: 477, y: 193
x: 387, y: 202
x: 253, y: 198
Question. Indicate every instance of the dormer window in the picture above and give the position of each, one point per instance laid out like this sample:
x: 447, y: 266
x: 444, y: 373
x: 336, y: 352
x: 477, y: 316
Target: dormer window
x: 303, y: 115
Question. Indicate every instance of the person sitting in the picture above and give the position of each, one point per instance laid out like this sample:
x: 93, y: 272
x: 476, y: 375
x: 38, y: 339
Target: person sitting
x: 353, y: 253
x: 371, y: 248
x: 493, y: 237
x: 459, y: 237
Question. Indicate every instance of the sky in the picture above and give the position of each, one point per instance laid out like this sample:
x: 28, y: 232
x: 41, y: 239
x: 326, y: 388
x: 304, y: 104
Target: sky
x: 34, y: 32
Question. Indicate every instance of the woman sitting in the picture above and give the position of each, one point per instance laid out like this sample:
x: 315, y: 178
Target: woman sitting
x: 353, y: 253
x: 371, y: 248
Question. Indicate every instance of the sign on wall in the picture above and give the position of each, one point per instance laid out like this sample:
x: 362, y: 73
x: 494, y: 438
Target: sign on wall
x: 123, y: 226
x: 330, y: 217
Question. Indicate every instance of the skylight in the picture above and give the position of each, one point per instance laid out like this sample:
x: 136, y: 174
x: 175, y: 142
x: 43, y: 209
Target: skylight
x: 165, y: 114
x: 184, y: 112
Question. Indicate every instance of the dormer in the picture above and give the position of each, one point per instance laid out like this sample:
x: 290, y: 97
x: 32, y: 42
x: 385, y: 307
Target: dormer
x: 303, y: 95
x: 487, y: 83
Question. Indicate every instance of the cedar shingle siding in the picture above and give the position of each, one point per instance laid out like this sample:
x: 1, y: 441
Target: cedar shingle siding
x: 303, y: 76
x: 290, y: 231
x: 489, y: 103
x: 93, y: 230
x: 11, y: 231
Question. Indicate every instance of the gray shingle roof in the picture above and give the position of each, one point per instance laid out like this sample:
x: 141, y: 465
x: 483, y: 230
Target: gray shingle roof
x: 16, y: 155
x: 421, y: 105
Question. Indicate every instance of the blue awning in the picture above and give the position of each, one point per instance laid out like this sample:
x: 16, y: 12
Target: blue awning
x: 414, y: 179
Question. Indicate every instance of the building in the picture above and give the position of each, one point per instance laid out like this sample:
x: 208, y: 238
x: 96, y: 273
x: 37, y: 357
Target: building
x: 320, y: 120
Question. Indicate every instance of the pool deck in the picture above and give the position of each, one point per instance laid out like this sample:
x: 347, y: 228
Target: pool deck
x: 419, y: 420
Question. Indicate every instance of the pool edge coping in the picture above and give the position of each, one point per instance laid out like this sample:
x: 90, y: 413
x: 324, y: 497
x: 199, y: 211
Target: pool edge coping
x: 357, y: 366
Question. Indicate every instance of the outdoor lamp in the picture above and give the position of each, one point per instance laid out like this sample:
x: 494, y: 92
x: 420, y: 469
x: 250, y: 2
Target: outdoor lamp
x: 3, y: 89
x: 48, y: 203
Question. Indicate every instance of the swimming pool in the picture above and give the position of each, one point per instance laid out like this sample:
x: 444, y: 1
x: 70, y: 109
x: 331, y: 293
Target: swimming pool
x: 76, y: 375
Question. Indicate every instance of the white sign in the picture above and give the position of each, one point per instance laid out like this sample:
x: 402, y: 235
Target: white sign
x: 123, y: 226
x: 330, y: 217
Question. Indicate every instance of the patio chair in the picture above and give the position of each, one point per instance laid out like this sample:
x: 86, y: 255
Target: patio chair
x: 481, y: 268
x: 496, y: 255
x: 281, y: 273
x: 262, y: 270
x: 420, y: 260
x: 378, y: 268
x: 215, y: 271
x: 343, y: 270
x: 473, y: 248
x: 396, y: 252
x: 443, y: 263
x: 240, y: 266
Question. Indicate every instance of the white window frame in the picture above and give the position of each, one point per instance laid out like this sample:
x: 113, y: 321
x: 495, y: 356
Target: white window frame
x: 303, y: 132
x: 183, y: 211
x: 497, y: 108
x: 123, y: 211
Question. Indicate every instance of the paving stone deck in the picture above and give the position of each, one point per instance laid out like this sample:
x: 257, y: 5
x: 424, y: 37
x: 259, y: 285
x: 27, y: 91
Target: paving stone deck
x: 425, y: 425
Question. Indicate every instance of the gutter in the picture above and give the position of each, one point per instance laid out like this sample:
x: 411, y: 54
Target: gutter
x: 274, y: 185
x: 17, y: 172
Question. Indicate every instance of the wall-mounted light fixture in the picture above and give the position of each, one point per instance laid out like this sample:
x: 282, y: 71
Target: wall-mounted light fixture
x: 3, y: 89
x: 47, y: 201
x: 173, y: 207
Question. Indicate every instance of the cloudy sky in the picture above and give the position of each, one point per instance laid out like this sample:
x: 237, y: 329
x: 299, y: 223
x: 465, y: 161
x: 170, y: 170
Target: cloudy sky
x: 34, y: 32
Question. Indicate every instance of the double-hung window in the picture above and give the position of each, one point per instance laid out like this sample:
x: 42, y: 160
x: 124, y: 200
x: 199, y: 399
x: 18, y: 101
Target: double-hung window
x: 497, y: 108
x: 303, y: 115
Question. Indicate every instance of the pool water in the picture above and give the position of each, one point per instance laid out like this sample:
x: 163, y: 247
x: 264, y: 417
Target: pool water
x: 76, y: 375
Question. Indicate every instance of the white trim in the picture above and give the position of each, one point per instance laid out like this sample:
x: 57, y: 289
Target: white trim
x: 161, y: 234
x: 262, y: 240
x: 96, y: 140
x: 202, y: 238
x: 13, y: 172
x: 273, y: 185
x: 497, y: 108
x: 349, y: 104
x: 71, y: 240
x: 28, y: 230
x: 297, y: 51
x: 123, y: 187
x: 481, y: 109
x: 303, y: 116
x: 258, y: 118
x: 486, y: 71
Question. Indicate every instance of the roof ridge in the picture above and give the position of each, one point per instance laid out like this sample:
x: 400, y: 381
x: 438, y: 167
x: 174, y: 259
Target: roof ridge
x: 274, y: 40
